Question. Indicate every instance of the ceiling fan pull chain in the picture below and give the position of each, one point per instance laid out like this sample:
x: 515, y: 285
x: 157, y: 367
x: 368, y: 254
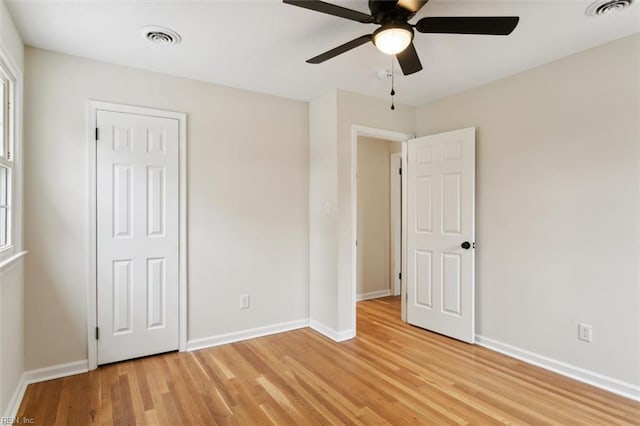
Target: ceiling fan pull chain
x: 393, y: 92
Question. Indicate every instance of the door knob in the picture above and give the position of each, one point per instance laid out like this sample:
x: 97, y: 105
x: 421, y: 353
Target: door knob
x: 466, y: 245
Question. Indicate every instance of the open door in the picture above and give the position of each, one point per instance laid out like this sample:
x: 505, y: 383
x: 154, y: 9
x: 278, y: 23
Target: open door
x: 441, y: 233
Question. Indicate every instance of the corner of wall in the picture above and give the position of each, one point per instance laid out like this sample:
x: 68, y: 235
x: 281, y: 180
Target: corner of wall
x: 10, y: 39
x: 323, y: 166
x: 356, y: 110
x: 11, y: 336
x: 12, y: 272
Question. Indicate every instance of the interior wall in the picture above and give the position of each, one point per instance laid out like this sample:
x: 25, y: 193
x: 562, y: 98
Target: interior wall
x: 558, y: 206
x: 323, y: 186
x: 10, y: 39
x: 374, y: 216
x: 332, y: 118
x: 248, y: 200
x: 11, y: 333
x: 11, y: 276
x: 359, y: 110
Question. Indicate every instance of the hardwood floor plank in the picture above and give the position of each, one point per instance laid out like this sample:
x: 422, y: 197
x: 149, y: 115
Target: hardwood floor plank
x: 392, y: 373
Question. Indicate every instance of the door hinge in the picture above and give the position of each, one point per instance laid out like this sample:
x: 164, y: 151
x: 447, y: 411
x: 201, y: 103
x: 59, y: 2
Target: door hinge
x: 97, y: 134
x: 97, y: 333
x: 400, y: 171
x: 400, y: 276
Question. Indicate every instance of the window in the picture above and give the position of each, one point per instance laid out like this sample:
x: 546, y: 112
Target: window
x: 6, y: 161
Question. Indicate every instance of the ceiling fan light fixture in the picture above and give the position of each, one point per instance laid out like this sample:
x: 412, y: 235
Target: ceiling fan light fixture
x: 393, y: 39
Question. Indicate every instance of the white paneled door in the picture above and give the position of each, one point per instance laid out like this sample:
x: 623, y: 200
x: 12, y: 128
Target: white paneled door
x: 441, y: 233
x: 137, y: 235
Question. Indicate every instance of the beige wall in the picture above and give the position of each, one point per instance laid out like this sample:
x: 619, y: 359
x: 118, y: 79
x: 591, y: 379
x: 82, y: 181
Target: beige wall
x: 332, y: 118
x: 11, y: 276
x: 323, y: 186
x: 10, y: 39
x: 374, y: 215
x: 247, y: 195
x: 558, y: 206
x: 11, y: 333
x: 355, y: 109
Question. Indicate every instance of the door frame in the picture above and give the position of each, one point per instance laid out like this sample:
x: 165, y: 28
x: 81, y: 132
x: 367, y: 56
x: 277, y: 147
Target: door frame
x: 356, y: 131
x: 92, y: 295
x: 396, y: 212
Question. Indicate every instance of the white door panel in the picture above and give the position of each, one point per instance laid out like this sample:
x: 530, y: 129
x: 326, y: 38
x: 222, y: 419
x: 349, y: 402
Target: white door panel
x: 441, y: 212
x: 137, y: 235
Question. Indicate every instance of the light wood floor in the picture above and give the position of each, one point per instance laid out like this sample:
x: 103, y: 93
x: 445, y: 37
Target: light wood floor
x: 391, y: 373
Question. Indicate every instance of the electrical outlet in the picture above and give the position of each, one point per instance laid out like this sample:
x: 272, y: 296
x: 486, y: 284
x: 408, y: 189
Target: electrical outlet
x: 244, y: 301
x: 585, y: 332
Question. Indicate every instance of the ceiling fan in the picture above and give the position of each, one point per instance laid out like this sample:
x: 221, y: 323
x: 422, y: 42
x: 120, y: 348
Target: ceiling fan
x: 395, y: 34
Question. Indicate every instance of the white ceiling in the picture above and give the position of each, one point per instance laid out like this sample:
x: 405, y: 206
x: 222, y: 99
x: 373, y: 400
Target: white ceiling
x: 262, y: 45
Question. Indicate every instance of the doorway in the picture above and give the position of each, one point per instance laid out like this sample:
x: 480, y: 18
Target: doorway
x: 137, y: 294
x: 439, y: 282
x: 397, y: 137
x: 379, y: 248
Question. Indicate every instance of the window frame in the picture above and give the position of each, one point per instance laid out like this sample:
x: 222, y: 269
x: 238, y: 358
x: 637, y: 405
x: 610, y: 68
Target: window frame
x: 6, y: 150
x: 10, y: 157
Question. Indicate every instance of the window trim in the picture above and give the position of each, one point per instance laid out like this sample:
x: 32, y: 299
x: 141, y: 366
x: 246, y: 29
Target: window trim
x: 9, y: 165
x: 5, y: 152
x: 12, y: 72
x: 6, y: 149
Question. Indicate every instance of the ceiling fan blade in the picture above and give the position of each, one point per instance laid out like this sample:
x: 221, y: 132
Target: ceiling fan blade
x: 340, y: 49
x: 488, y: 25
x: 409, y: 60
x: 412, y: 5
x: 332, y: 9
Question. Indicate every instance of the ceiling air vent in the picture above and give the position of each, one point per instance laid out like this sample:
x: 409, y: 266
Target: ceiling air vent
x: 608, y: 7
x: 160, y: 35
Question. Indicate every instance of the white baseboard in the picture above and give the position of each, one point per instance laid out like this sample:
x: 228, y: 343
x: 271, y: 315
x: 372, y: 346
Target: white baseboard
x: 337, y: 336
x: 56, y: 371
x: 223, y: 339
x: 601, y: 381
x: 373, y: 295
x: 42, y: 375
x: 16, y: 399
